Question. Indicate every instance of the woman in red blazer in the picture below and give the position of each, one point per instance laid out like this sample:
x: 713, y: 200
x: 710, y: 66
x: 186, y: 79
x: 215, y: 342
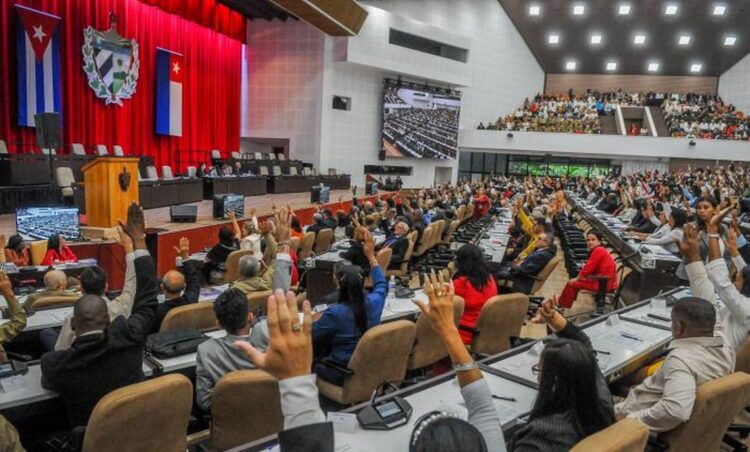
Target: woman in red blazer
x: 58, y: 251
x: 474, y: 283
x: 599, y: 263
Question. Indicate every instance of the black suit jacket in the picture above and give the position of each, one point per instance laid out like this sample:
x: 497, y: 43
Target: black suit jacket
x: 524, y: 275
x: 356, y: 255
x: 399, y: 247
x: 99, y: 363
x: 189, y: 295
x: 307, y: 438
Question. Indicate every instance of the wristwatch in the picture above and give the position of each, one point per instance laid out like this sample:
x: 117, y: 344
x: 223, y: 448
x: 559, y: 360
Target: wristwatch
x: 464, y: 367
x: 714, y: 236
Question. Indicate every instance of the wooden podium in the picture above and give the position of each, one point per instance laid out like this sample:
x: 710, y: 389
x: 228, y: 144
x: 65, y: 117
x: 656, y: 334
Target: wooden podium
x: 111, y: 185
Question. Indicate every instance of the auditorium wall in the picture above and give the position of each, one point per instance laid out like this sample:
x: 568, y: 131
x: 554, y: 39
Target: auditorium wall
x: 561, y: 83
x: 734, y: 85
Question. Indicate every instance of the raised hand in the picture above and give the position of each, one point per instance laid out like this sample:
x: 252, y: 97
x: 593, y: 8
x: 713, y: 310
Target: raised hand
x: 731, y: 241
x: 283, y: 221
x: 252, y: 212
x: 689, y: 245
x: 5, y: 285
x: 124, y: 240
x: 183, y: 249
x: 547, y: 313
x: 714, y: 225
x: 440, y: 308
x: 290, y: 345
x: 368, y: 245
x: 135, y: 226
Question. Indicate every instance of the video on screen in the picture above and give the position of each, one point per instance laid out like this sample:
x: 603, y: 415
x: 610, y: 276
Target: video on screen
x: 234, y: 203
x: 420, y: 122
x: 40, y: 223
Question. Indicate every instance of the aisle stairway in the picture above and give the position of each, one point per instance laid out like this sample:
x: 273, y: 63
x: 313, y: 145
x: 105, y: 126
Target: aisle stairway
x: 609, y: 125
x: 659, y: 122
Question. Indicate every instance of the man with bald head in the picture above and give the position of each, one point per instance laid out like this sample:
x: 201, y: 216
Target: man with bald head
x: 55, y: 283
x: 105, y: 355
x: 179, y: 289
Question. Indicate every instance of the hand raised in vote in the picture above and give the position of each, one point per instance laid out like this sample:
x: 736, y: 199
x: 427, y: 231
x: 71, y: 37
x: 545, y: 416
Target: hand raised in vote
x: 547, y: 313
x: 440, y: 308
x: 714, y: 225
x: 135, y: 226
x: 183, y: 248
x: 124, y: 240
x: 689, y: 245
x: 5, y: 285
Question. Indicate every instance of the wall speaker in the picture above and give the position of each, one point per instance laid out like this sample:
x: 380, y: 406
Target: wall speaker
x: 48, y: 130
x: 183, y: 214
x: 342, y: 103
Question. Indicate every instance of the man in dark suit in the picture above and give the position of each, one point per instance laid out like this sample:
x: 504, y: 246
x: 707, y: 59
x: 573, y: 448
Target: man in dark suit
x: 179, y: 289
x: 105, y: 355
x: 398, y: 243
x: 318, y: 223
x: 521, y: 275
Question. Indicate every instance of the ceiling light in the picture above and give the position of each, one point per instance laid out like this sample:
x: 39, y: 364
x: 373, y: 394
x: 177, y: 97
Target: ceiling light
x: 684, y: 40
x: 611, y: 66
x: 570, y: 65
x: 535, y: 10
x: 730, y: 40
x: 653, y: 67
x: 719, y: 10
x: 553, y: 39
x: 639, y: 39
x: 696, y: 67
x: 578, y: 10
x: 624, y: 9
x: 596, y: 39
x: 670, y: 10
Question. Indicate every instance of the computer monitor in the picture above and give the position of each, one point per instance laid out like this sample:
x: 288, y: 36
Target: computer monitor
x: 41, y: 223
x: 229, y: 202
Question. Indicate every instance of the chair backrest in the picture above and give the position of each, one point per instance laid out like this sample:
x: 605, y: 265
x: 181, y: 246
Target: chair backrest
x: 46, y: 151
x: 717, y: 402
x: 276, y: 170
x: 192, y: 171
x: 460, y: 213
x: 384, y: 258
x: 263, y: 170
x: 323, y: 240
x: 166, y: 172
x: 381, y: 355
x: 293, y: 170
x: 428, y: 348
x: 627, y: 435
x: 151, y: 172
x: 64, y: 176
x: 500, y: 318
x: 271, y: 156
x: 236, y: 155
x: 743, y: 357
x: 38, y: 251
x: 294, y: 244
x: 233, y: 265
x: 412, y: 236
x: 425, y: 242
x: 451, y: 230
x: 3, y: 147
x: 215, y: 154
x: 234, y: 408
x: 469, y: 211
x: 544, y: 274
x: 77, y: 149
x: 306, y: 171
x: 152, y: 415
x: 256, y: 301
x: 281, y: 157
x: 117, y: 149
x: 55, y: 301
x: 101, y: 150
x: 437, y: 233
x: 194, y: 316
x: 306, y: 245
x: 258, y: 155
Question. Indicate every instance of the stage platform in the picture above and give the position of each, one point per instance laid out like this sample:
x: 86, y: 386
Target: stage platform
x: 164, y: 235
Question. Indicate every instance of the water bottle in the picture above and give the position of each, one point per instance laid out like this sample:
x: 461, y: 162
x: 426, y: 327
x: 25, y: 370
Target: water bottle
x: 392, y: 288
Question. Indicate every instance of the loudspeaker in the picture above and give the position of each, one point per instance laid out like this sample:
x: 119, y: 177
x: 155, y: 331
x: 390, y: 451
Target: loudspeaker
x: 371, y: 188
x: 48, y: 130
x: 183, y: 214
x: 381, y: 155
x: 342, y: 103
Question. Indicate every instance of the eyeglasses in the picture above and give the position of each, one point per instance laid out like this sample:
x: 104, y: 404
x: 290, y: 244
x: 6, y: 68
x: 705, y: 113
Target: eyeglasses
x: 536, y: 369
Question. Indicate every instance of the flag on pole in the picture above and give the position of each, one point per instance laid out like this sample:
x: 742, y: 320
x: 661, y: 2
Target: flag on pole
x: 38, y: 55
x: 169, y: 70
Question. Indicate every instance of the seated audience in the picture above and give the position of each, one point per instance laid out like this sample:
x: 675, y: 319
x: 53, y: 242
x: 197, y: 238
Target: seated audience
x: 523, y: 273
x: 16, y: 316
x: 17, y: 251
x: 356, y: 252
x: 670, y: 231
x: 179, y: 288
x: 218, y: 356
x: 215, y: 265
x: 399, y: 243
x: 105, y: 355
x: 599, y: 263
x: 475, y: 284
x: 248, y: 236
x: 58, y: 251
x: 55, y: 285
x: 318, y: 223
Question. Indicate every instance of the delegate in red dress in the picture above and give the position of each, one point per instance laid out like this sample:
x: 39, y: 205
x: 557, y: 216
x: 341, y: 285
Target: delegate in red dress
x: 473, y: 302
x: 599, y: 263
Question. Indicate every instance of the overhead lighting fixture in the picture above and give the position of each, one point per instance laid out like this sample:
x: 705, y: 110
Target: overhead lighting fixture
x: 696, y: 67
x: 670, y: 10
x: 596, y: 39
x: 730, y: 40
x: 624, y: 9
x: 611, y: 66
x: 578, y: 10
x: 653, y: 67
x: 535, y: 10
x: 570, y: 65
x: 684, y: 40
x: 553, y: 39
x: 719, y: 10
x: 639, y: 40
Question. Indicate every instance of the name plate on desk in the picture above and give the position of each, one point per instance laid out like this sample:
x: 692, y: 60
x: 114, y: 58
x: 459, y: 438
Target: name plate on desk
x: 343, y: 422
x: 11, y: 384
x: 659, y: 303
x: 648, y: 263
x: 613, y: 320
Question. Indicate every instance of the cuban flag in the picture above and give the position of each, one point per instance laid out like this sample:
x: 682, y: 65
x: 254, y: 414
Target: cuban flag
x: 38, y: 54
x: 169, y: 70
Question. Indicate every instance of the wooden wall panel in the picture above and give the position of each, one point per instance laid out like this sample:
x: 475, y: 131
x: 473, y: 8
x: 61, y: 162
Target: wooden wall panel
x: 561, y: 83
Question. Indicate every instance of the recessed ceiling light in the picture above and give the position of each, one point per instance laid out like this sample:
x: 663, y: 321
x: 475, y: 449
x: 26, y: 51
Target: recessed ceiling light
x: 696, y: 67
x: 578, y: 9
x: 535, y: 10
x: 653, y: 67
x: 553, y: 39
x: 639, y: 39
x: 570, y: 65
x: 684, y: 40
x: 596, y: 39
x: 730, y: 40
x: 624, y: 9
x: 719, y: 10
x: 612, y: 66
x: 670, y: 10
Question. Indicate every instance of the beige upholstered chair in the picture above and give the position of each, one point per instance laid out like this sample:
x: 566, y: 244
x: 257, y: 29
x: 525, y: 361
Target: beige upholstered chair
x: 500, y: 318
x: 55, y: 301
x: 236, y: 155
x: 294, y: 244
x: 166, y: 172
x: 384, y: 259
x: 263, y: 170
x: 101, y: 150
x: 216, y: 154
x: 281, y: 157
x: 544, y: 274
x: 276, y: 170
x: 256, y: 301
x: 425, y: 242
x: 233, y: 265
x: 151, y: 173
x: 66, y: 181
x: 152, y: 415
x: 428, y: 348
x: 404, y: 267
x: 194, y: 316
x: 323, y: 241
x: 46, y: 151
x: 38, y: 251
x: 258, y: 155
x: 271, y: 156
x: 449, y: 233
x: 3, y: 147
x: 628, y: 435
x: 306, y: 245
x: 292, y: 170
x: 235, y: 419
x: 192, y: 171
x: 117, y: 149
x: 77, y: 149
x: 381, y: 355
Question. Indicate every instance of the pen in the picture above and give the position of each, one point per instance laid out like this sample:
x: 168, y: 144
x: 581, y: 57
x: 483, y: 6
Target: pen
x: 509, y: 399
x: 602, y: 352
x: 630, y: 336
x: 659, y: 317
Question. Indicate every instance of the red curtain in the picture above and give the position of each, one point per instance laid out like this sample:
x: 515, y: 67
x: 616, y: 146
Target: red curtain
x: 211, y: 84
